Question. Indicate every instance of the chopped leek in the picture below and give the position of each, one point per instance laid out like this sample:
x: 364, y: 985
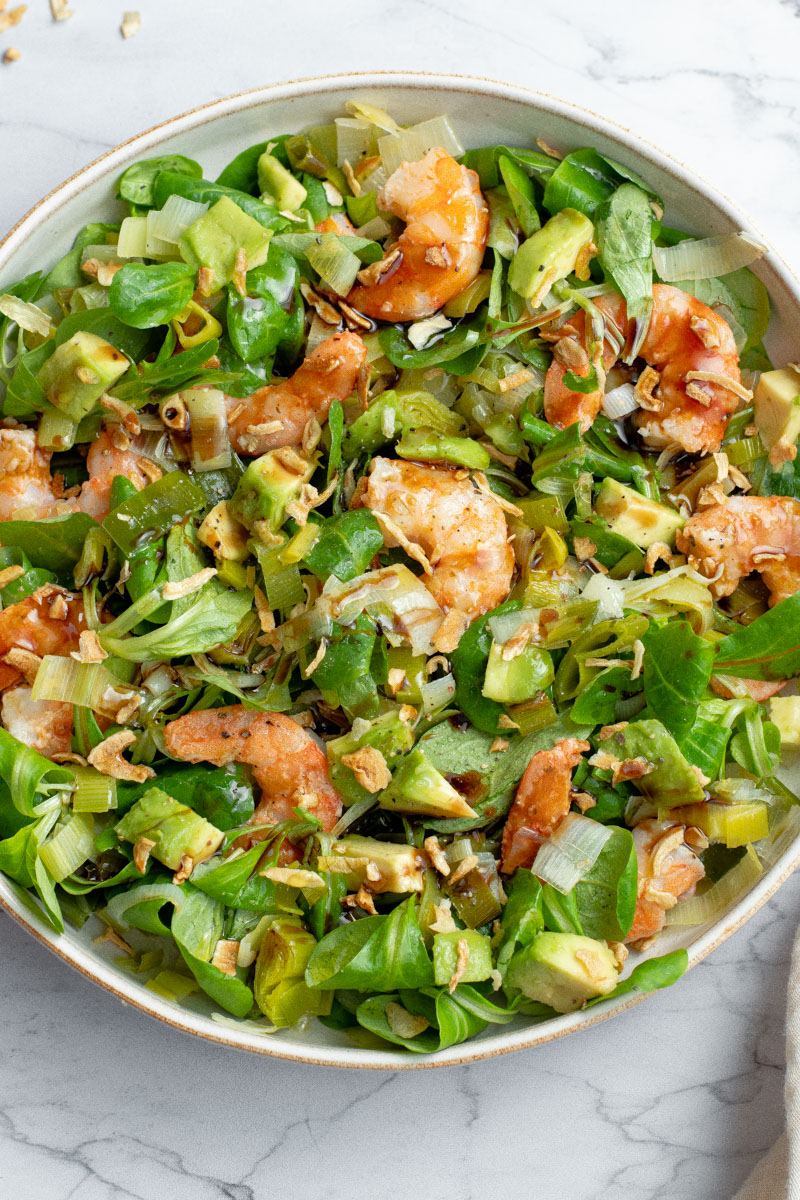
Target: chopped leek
x: 571, y: 852
x: 706, y: 258
x: 70, y: 847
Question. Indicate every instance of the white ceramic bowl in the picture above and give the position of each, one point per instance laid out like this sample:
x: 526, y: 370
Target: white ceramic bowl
x: 483, y: 112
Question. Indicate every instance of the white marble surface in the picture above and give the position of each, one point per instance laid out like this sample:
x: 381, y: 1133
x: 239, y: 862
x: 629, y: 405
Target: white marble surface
x: 675, y: 1099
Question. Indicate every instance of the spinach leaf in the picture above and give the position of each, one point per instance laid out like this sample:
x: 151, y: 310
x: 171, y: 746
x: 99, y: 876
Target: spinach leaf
x: 196, y: 927
x: 137, y: 184
x: 584, y: 179
x: 242, y: 171
x: 458, y: 351
x: 769, y: 648
x: 347, y: 676
x: 324, y: 914
x: 223, y: 795
x: 371, y: 1014
x: 522, y: 916
x: 609, y: 547
x: 345, y: 546
x: 651, y: 975
x: 67, y: 271
x: 148, y: 294
x: 624, y: 233
x: 597, y: 703
x: 560, y: 912
x: 170, y: 183
x: 173, y: 374
x: 605, y: 899
x: 19, y: 859
x: 468, y: 662
x: 52, y: 542
x: 212, y: 619
x: 520, y: 192
x: 486, y: 780
x: 704, y: 746
x: 486, y: 162
x: 105, y: 324
x: 744, y: 296
x: 373, y: 954
x: 235, y: 882
x: 257, y: 321
x: 676, y: 670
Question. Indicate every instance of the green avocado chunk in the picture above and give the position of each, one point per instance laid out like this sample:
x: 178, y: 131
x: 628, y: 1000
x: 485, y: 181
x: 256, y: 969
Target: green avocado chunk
x: 563, y: 970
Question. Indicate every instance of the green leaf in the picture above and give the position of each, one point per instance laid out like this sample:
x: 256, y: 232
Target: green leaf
x: 560, y: 912
x: 371, y: 1014
x: 746, y: 298
x: 704, y: 746
x: 222, y: 795
x: 203, y: 191
x: 148, y: 294
x: 486, y: 162
x: 257, y: 321
x: 67, y: 271
x: 769, y: 648
x: 521, y: 193
x: 52, y: 542
x: 374, y: 953
x: 522, y: 915
x: 651, y: 975
x: 450, y: 351
x: 468, y: 662
x: 597, y: 703
x: 212, y: 619
x: 345, y: 675
x: 137, y: 184
x: 345, y: 546
x: 584, y: 179
x: 624, y: 232
x: 103, y: 323
x: 605, y: 898
x: 677, y: 669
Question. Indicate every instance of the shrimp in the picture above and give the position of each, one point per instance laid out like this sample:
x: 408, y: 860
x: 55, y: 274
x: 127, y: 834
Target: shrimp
x: 106, y: 460
x: 459, y: 534
x: 49, y: 621
x: 277, y: 415
x: 757, y: 689
x: 668, y: 869
x: 440, y: 251
x: 26, y: 483
x: 46, y: 725
x: 25, y: 480
x: 288, y: 765
x: 338, y: 223
x: 685, y: 338
x: 541, y: 803
x: 748, y: 533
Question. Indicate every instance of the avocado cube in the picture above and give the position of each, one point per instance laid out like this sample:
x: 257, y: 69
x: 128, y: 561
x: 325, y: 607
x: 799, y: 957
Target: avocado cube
x: 214, y: 240
x: 386, y: 733
x: 777, y: 413
x: 279, y: 185
x: 563, y: 970
x: 417, y: 787
x: 446, y: 952
x: 223, y: 534
x: 79, y: 371
x: 382, y: 866
x: 517, y: 679
x: 269, y: 484
x: 635, y: 517
x: 174, y: 829
x: 550, y: 254
x: 671, y: 781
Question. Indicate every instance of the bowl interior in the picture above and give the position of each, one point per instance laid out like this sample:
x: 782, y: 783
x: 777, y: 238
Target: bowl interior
x: 482, y: 113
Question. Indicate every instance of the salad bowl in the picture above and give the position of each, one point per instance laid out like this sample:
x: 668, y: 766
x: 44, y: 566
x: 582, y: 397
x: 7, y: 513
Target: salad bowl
x: 483, y: 112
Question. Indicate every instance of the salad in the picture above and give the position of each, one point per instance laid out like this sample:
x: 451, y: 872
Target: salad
x: 399, y: 567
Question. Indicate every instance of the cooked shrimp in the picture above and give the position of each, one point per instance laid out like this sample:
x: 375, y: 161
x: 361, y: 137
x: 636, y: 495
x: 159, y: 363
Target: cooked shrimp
x: 288, y: 765
x: 757, y: 689
x: 684, y: 337
x: 748, y: 533
x: 106, y: 460
x: 541, y: 803
x: 440, y: 249
x: 24, y: 474
x: 44, y: 724
x: 276, y: 415
x: 338, y: 223
x: 668, y: 869
x: 26, y: 483
x: 49, y: 621
x: 459, y: 534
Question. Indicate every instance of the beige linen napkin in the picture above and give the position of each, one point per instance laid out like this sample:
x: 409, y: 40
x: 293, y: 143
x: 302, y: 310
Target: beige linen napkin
x: 777, y: 1176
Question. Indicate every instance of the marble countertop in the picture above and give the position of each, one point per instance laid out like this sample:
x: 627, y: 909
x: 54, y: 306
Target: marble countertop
x: 675, y: 1099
